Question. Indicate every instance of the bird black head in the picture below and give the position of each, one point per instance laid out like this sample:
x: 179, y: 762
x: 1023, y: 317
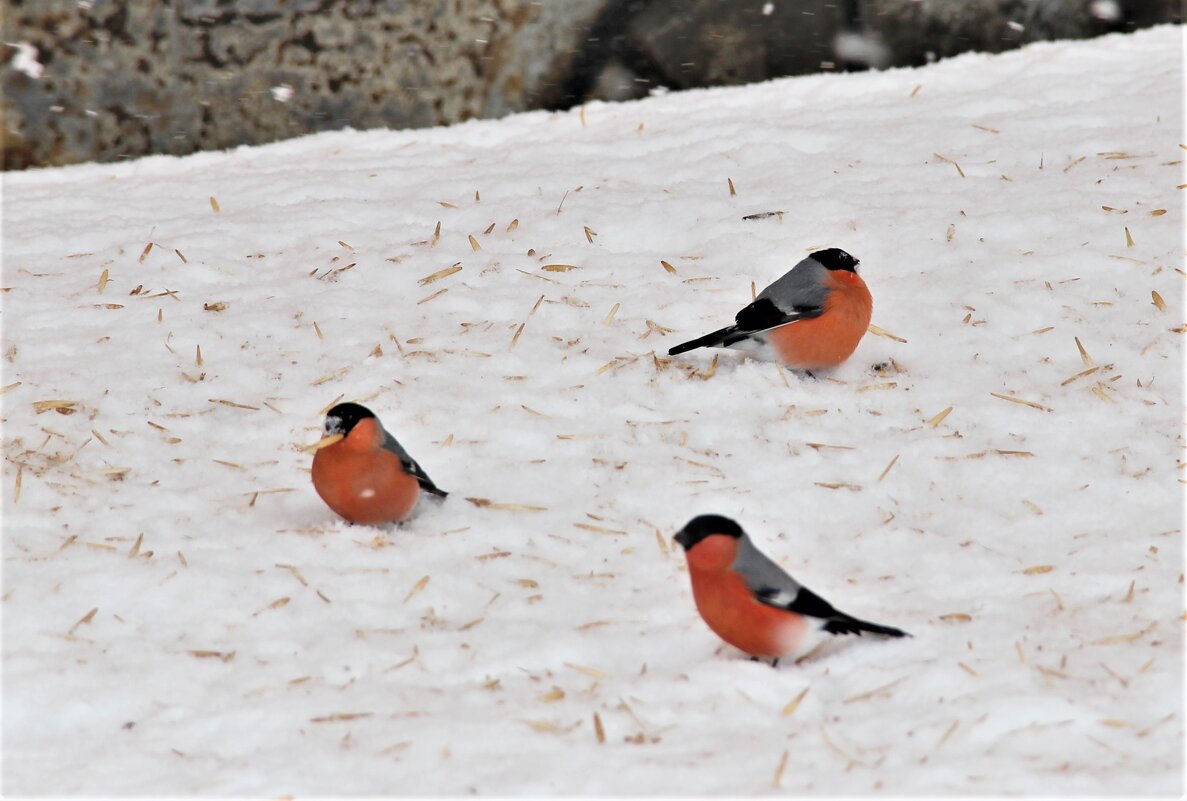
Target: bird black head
x: 343, y: 417
x: 706, y: 526
x: 836, y: 259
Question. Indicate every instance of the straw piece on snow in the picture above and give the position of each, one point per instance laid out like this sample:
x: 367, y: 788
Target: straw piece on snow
x: 956, y: 617
x: 1081, y: 374
x: 277, y: 604
x: 445, y: 272
x: 222, y: 656
x: 882, y: 332
x: 777, y: 782
x: 874, y: 692
x: 1022, y: 401
x: 341, y: 371
x: 340, y: 716
x: 589, y: 671
x: 794, y: 703
x: 486, y: 503
x: 599, y: 529
x: 939, y: 418
x: 486, y: 557
x: 1119, y: 638
x: 85, y: 619
x: 59, y: 406
x: 420, y: 585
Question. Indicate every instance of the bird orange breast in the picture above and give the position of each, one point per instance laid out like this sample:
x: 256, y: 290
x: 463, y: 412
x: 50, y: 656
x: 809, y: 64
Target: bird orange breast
x: 731, y: 610
x: 363, y: 482
x: 831, y: 338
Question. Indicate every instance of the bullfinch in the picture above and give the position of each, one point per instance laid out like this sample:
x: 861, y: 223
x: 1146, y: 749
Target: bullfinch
x: 813, y: 317
x: 362, y: 472
x: 749, y: 601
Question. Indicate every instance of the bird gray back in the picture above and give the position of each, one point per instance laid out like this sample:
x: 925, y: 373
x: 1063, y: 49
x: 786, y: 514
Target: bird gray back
x: 802, y: 286
x: 763, y: 576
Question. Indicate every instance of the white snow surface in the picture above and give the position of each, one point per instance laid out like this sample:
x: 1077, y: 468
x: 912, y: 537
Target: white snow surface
x: 183, y: 615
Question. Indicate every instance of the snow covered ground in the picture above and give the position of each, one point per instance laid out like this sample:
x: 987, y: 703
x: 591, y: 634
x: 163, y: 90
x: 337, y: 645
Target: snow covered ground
x: 182, y: 614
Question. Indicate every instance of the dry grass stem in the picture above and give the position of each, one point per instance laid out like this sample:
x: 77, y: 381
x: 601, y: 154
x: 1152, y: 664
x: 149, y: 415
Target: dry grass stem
x: 1023, y: 402
x: 939, y: 418
x: 882, y: 332
x: 794, y: 703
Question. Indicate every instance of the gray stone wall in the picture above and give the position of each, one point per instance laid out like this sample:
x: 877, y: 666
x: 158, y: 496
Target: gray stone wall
x: 123, y: 79
x: 113, y: 80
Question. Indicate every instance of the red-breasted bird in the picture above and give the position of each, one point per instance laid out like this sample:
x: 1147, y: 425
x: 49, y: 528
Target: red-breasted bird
x: 749, y: 601
x: 813, y: 317
x: 362, y: 472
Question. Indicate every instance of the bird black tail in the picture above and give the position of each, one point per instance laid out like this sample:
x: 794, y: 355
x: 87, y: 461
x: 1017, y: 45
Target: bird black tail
x: 842, y: 623
x: 434, y: 489
x: 707, y: 341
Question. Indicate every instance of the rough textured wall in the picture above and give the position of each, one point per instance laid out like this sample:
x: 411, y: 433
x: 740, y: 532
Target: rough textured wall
x: 124, y: 79
x: 914, y: 33
x: 134, y: 77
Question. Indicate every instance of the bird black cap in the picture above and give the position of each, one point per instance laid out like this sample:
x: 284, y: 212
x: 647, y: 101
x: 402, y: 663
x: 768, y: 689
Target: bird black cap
x: 836, y: 259
x: 345, y: 416
x: 706, y: 526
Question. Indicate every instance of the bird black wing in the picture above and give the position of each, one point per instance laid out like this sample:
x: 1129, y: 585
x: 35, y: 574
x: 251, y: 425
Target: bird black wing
x: 809, y: 604
x: 764, y: 314
x: 761, y: 315
x: 410, y: 465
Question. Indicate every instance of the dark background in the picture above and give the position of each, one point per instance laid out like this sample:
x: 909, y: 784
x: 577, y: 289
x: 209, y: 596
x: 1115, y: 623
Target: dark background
x: 127, y: 79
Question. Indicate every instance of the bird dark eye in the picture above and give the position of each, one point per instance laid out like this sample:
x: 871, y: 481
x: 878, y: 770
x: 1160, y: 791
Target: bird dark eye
x: 332, y: 424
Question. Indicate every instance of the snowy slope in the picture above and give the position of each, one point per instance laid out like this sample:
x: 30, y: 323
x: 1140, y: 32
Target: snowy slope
x: 183, y: 615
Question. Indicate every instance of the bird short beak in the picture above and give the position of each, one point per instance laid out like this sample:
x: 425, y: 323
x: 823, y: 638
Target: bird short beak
x: 325, y: 442
x: 681, y: 538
